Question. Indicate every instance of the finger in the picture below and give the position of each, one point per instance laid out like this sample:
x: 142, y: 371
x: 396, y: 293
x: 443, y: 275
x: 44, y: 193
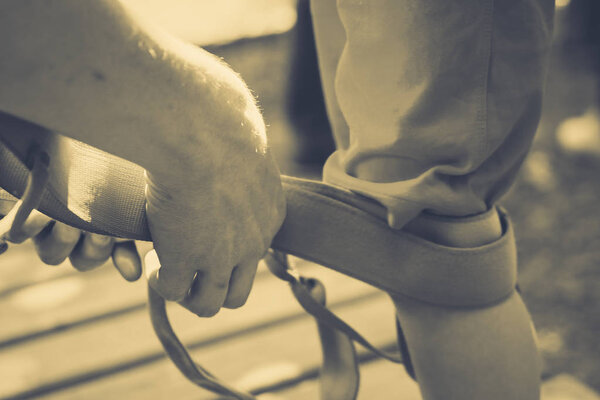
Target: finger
x: 142, y: 247
x: 91, y: 251
x: 207, y: 293
x: 35, y: 222
x: 240, y: 284
x: 171, y: 283
x: 55, y: 242
x: 127, y: 260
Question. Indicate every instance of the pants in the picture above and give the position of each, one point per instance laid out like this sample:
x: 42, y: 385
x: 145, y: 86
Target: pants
x: 434, y: 105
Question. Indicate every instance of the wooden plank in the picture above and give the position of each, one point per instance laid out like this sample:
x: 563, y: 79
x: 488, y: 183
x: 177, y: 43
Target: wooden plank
x: 69, y: 300
x: 57, y: 304
x: 257, y: 357
x: 88, y: 351
x: 380, y: 380
x: 20, y: 267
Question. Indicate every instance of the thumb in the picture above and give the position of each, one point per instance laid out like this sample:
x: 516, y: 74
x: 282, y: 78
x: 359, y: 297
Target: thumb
x: 151, y: 267
x: 171, y: 283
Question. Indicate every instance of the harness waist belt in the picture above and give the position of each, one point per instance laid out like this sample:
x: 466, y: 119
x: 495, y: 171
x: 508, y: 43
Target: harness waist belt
x: 98, y: 192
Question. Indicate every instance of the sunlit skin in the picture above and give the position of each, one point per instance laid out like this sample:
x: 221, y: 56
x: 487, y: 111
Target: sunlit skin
x: 94, y: 72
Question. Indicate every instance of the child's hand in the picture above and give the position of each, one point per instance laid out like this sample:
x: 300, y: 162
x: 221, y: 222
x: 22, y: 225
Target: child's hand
x: 55, y: 241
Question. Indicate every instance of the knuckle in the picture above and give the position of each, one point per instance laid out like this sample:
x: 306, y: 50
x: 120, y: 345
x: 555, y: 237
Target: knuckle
x: 95, y: 254
x: 83, y: 261
x: 99, y: 241
x: 67, y: 237
x: 221, y: 284
x: 261, y: 249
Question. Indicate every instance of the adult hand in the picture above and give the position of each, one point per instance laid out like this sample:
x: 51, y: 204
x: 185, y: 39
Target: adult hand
x: 210, y: 236
x: 214, y: 199
x: 213, y: 224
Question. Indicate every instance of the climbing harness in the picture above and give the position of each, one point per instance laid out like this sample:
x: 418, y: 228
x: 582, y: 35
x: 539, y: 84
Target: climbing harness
x: 324, y: 224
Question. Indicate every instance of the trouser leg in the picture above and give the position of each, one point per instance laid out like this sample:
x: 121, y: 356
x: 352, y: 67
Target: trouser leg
x: 305, y: 104
x: 434, y: 105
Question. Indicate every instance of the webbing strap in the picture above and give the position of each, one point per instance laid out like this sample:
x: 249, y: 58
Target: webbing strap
x: 11, y: 224
x: 278, y: 265
x: 339, y: 378
x: 327, y: 230
x: 101, y: 193
x: 339, y: 375
x: 179, y: 355
x: 97, y: 192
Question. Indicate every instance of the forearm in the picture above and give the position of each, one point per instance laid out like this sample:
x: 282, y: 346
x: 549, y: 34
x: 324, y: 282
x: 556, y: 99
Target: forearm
x: 88, y: 70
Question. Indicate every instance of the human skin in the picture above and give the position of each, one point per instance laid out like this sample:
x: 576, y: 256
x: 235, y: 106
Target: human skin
x: 95, y: 73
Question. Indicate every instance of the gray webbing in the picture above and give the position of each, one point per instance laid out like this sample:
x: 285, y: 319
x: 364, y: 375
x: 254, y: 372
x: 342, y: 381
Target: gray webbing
x: 97, y: 192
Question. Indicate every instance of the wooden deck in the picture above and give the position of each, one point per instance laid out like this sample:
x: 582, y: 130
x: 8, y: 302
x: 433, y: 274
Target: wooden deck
x: 69, y: 335
x: 66, y: 335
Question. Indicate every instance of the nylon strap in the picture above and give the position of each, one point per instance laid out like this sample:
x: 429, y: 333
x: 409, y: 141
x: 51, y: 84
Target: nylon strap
x: 339, y: 375
x: 12, y: 223
x: 179, y: 355
x: 101, y: 193
x: 279, y: 266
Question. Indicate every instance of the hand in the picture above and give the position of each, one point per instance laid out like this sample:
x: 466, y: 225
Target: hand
x: 214, y: 197
x: 55, y: 241
x: 209, y: 234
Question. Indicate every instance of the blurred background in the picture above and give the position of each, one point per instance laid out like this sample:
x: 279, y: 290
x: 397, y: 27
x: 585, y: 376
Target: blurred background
x: 554, y: 202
